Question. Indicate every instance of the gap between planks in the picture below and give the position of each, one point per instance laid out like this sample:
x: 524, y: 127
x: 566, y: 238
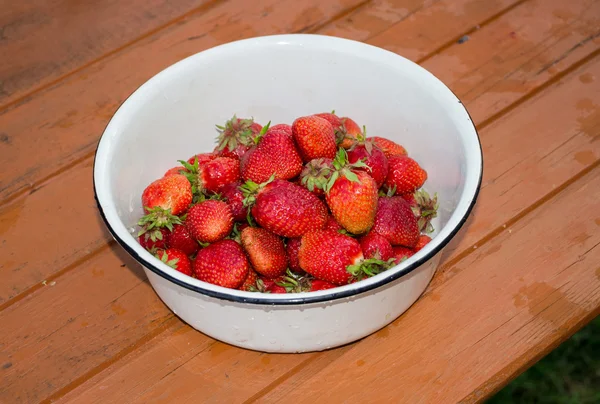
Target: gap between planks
x: 340, y: 351
x: 310, y: 29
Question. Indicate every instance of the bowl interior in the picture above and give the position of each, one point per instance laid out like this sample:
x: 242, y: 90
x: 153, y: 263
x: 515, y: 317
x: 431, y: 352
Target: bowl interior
x: 279, y: 78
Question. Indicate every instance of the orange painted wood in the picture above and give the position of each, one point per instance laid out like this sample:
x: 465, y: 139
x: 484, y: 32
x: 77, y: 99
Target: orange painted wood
x: 73, y: 324
x: 134, y: 341
x: 90, y: 230
x: 48, y: 39
x: 70, y: 132
x: 514, y: 126
x: 517, y: 296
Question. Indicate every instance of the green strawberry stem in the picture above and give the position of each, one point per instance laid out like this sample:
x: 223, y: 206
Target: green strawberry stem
x: 192, y: 176
x: 172, y: 263
x: 369, y: 267
x: 428, y: 208
x: 343, y: 167
x: 262, y: 132
x: 250, y: 189
x: 242, y: 134
x: 156, y: 219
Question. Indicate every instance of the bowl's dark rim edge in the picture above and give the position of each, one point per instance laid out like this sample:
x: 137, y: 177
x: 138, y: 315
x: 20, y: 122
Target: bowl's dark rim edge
x: 292, y: 300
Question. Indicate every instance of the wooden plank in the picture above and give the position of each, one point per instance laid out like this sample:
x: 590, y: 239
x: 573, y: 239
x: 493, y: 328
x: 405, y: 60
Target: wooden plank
x: 47, y: 40
x: 23, y: 275
x: 74, y: 324
x: 517, y: 296
x: 70, y: 132
x: 498, y: 140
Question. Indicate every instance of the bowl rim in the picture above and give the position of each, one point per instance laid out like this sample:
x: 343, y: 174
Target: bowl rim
x: 304, y: 298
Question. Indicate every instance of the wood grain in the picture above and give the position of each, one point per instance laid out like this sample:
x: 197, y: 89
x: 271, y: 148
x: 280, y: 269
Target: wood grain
x: 18, y: 220
x: 517, y: 295
x: 54, y: 38
x: 568, y: 91
x: 116, y: 376
x: 70, y: 133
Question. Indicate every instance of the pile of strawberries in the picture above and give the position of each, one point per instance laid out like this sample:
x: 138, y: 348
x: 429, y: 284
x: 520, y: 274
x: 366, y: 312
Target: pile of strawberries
x: 282, y: 209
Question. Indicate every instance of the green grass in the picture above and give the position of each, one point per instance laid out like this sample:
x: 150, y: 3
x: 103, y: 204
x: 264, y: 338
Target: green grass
x: 568, y: 375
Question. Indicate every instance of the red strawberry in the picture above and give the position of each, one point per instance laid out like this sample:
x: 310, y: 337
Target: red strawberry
x: 372, y: 156
x: 332, y: 224
x: 285, y: 209
x: 275, y: 288
x: 203, y: 158
x: 222, y: 263
x: 351, y: 195
x: 274, y: 154
x: 176, y: 259
x: 282, y: 127
x: 315, y: 174
x: 211, y: 176
x: 404, y: 175
x: 396, y: 221
x: 233, y: 196
x: 235, y: 137
x: 172, y: 194
x: 423, y: 241
x: 333, y: 119
x: 293, y: 245
x: 175, y: 170
x: 389, y: 147
x: 349, y: 133
x: 163, y: 200
x: 402, y: 253
x: 374, y: 245
x: 181, y: 239
x: 314, y: 137
x: 153, y: 240
x: 335, y: 258
x: 317, y: 284
x: 209, y: 221
x: 265, y: 251
x: 249, y: 284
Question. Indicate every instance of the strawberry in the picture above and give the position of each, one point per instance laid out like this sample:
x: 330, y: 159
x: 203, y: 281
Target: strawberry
x: 203, y: 158
x: 405, y: 175
x: 282, y: 127
x: 233, y: 196
x: 274, y: 154
x: 153, y: 240
x: 333, y: 119
x: 336, y: 258
x: 211, y: 176
x: 349, y: 133
x: 181, y: 239
x: 176, y: 259
x: 389, y: 147
x: 293, y: 245
x: 315, y: 174
x: 396, y: 221
x: 172, y: 194
x: 372, y: 156
x: 175, y: 170
x: 374, y: 245
x: 235, y: 137
x: 332, y: 224
x: 314, y: 137
x: 423, y: 241
x: 222, y: 263
x: 317, y: 284
x: 402, y: 253
x: 163, y: 200
x: 284, y: 208
x: 209, y: 221
x: 351, y: 195
x: 265, y: 251
x: 249, y: 284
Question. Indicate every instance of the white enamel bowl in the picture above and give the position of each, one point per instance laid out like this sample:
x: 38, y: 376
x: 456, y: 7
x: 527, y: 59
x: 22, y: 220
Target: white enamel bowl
x: 279, y: 78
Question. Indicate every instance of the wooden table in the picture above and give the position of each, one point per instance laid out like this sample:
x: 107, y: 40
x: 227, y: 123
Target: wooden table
x: 79, y: 321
